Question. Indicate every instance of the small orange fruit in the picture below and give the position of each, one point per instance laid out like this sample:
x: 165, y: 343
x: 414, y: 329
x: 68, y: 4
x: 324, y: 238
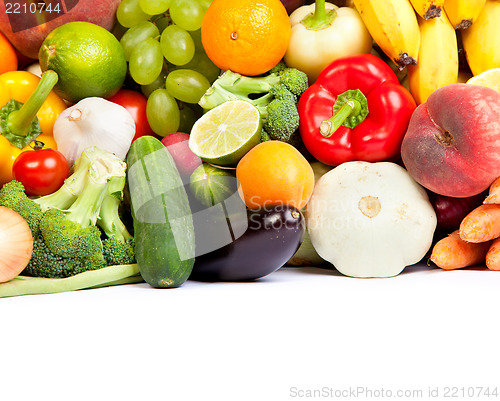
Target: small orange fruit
x: 274, y: 173
x: 246, y: 36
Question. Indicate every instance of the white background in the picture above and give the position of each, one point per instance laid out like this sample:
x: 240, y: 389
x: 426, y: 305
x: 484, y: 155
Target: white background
x: 297, y: 330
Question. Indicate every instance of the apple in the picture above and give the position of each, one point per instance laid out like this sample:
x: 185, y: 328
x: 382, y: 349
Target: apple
x: 26, y: 27
x: 452, y: 144
x: 186, y: 161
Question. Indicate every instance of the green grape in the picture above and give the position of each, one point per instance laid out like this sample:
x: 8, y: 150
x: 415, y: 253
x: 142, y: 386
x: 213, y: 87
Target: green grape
x: 163, y: 22
x: 136, y: 34
x: 202, y: 63
x: 186, y: 85
x: 154, y: 6
x: 196, y: 35
x: 177, y: 45
x: 205, y: 3
x: 146, y: 61
x: 188, y: 14
x: 163, y: 112
x: 188, y: 116
x: 158, y: 83
x: 129, y: 13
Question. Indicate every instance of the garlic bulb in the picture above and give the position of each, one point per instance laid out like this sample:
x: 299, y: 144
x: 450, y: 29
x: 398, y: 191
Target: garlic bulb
x: 94, y: 121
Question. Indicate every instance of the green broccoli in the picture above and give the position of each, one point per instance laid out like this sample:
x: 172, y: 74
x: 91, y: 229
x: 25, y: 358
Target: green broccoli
x: 275, y: 95
x: 13, y: 197
x: 67, y: 238
x: 78, y: 227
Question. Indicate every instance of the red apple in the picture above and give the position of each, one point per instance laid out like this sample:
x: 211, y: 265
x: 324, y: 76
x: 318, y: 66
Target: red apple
x: 452, y: 145
x: 26, y: 27
x: 186, y: 161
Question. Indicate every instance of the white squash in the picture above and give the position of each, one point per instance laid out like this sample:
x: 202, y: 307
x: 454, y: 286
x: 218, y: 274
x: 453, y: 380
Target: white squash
x: 370, y: 219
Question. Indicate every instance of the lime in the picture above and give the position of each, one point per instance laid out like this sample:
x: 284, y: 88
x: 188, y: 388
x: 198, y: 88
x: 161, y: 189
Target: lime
x: 211, y: 185
x: 88, y: 59
x: 223, y: 135
x: 488, y: 78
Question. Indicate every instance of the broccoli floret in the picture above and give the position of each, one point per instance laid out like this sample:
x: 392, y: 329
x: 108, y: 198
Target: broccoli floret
x: 282, y: 120
x: 44, y: 263
x: 12, y: 196
x: 278, y: 68
x: 294, y: 80
x: 67, y: 238
x: 117, y: 252
x: 264, y: 136
x: 78, y: 227
x: 275, y: 92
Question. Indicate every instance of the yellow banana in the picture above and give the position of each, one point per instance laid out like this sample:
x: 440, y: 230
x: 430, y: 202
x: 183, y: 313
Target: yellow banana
x: 481, y: 40
x: 428, y: 9
x: 393, y: 26
x: 462, y: 13
x: 438, y: 58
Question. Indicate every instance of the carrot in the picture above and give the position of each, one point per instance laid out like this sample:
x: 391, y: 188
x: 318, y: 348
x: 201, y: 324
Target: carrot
x: 493, y: 193
x: 493, y: 255
x: 452, y: 252
x: 481, y: 224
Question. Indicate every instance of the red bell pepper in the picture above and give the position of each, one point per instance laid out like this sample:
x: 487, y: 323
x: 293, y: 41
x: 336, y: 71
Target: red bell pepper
x: 356, y: 110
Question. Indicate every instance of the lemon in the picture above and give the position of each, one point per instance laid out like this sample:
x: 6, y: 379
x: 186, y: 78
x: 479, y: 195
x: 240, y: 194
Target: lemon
x: 89, y: 60
x: 223, y: 135
x: 488, y: 78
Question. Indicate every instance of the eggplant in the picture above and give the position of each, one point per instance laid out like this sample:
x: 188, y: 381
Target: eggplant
x: 271, y: 238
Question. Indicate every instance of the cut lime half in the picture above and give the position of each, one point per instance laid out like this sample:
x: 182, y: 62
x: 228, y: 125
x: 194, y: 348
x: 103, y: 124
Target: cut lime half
x: 226, y: 133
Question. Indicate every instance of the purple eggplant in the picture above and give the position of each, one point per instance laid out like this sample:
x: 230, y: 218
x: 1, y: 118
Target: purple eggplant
x: 271, y: 238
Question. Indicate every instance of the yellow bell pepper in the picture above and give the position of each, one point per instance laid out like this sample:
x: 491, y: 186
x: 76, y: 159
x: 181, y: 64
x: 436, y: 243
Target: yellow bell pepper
x: 322, y: 33
x: 21, y: 86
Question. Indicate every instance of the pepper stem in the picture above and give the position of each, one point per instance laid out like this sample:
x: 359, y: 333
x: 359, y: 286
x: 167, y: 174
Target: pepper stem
x: 19, y: 121
x: 321, y: 18
x: 349, y: 110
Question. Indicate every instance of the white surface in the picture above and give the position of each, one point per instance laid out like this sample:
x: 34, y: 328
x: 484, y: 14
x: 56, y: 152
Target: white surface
x: 298, y: 330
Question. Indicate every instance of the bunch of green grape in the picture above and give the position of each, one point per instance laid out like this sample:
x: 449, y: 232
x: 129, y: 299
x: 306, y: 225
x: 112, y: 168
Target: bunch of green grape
x: 162, y: 44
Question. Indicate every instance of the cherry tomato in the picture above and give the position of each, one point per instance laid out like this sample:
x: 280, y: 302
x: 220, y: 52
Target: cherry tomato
x: 42, y: 171
x: 135, y: 103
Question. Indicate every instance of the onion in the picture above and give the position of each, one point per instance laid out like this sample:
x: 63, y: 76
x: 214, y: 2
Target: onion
x: 94, y: 121
x: 16, y: 244
x: 451, y: 211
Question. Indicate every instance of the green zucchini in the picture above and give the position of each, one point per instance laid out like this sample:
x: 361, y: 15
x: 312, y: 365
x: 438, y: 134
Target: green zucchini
x: 163, y: 222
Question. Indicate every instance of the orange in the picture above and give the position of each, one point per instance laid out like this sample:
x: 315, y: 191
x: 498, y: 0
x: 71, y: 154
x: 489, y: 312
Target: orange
x: 8, y: 60
x: 246, y: 36
x: 274, y: 173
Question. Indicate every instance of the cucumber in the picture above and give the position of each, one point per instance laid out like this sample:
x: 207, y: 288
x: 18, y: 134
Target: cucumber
x: 163, y: 222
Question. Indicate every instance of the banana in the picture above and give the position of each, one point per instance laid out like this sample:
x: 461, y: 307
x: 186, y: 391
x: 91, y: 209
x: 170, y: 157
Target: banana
x: 481, y: 40
x: 438, y: 58
x: 428, y: 9
x: 462, y: 13
x: 393, y: 26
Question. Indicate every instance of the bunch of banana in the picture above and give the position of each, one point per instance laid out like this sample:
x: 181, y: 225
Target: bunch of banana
x: 481, y: 40
x: 437, y: 58
x: 393, y: 26
x: 428, y: 9
x: 462, y: 13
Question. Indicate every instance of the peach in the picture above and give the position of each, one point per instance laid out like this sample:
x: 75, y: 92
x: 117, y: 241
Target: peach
x: 26, y: 27
x: 452, y: 145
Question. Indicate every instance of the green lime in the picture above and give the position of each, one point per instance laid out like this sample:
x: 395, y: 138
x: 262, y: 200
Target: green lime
x: 88, y: 59
x: 224, y: 134
x: 211, y: 185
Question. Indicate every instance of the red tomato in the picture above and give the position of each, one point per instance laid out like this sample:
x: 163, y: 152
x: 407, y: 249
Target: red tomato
x: 41, y: 171
x: 135, y: 103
